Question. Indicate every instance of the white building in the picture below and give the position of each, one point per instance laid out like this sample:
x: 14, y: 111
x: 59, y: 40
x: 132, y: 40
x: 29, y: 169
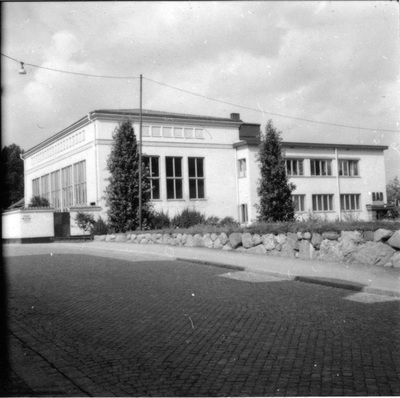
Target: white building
x: 203, y: 162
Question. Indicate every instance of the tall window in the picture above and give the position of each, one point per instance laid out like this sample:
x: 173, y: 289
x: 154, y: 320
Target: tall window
x: 350, y: 202
x: 174, y: 177
x: 66, y: 184
x: 294, y: 167
x: 152, y: 162
x: 55, y: 189
x: 45, y: 186
x: 322, y: 202
x: 321, y: 167
x: 196, y: 178
x: 348, y: 168
x: 242, y: 168
x: 299, y: 202
x: 244, y: 215
x: 80, y: 183
x: 36, y: 187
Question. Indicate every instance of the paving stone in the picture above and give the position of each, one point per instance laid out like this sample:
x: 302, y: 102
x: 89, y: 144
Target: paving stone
x: 109, y: 327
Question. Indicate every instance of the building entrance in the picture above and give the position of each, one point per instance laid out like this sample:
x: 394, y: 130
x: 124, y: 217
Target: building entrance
x: 62, y: 224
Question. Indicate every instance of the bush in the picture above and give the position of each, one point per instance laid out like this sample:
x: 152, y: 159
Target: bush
x: 99, y: 227
x: 212, y: 220
x: 39, y: 201
x: 187, y: 218
x: 85, y: 221
x: 160, y: 220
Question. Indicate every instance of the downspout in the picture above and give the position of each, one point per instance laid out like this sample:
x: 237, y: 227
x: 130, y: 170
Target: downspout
x: 338, y: 185
x: 25, y: 184
x: 95, y: 158
x: 237, y: 185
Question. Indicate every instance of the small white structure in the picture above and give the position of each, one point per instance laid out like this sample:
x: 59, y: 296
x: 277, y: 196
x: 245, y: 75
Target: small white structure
x: 202, y: 162
x: 28, y: 225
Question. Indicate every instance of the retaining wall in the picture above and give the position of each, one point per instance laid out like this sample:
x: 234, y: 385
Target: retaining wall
x: 380, y: 248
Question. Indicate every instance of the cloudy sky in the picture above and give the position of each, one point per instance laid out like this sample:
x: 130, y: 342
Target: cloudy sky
x: 336, y: 63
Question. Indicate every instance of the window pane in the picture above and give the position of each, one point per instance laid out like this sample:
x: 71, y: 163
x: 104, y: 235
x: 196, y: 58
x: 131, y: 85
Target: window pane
x: 178, y: 167
x: 156, y: 189
x: 192, y: 189
x: 192, y: 167
x: 200, y: 185
x: 170, y: 189
x: 200, y: 171
x: 301, y: 167
x: 169, y: 166
x: 329, y: 167
x: 179, y: 193
x: 154, y: 167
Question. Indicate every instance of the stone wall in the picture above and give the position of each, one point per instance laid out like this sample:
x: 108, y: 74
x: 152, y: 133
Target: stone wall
x: 380, y: 248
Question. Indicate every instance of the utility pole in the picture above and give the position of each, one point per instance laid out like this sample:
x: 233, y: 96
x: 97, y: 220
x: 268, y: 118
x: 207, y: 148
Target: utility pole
x: 140, y: 157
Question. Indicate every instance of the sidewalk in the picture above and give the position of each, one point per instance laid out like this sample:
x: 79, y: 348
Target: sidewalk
x: 356, y: 277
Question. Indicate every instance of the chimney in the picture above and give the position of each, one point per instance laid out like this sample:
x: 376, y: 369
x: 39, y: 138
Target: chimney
x: 235, y: 116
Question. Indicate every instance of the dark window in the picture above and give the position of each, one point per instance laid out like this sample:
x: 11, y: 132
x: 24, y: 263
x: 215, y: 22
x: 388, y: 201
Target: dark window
x: 174, y: 177
x: 294, y: 167
x: 196, y: 178
x: 321, y: 167
x: 152, y: 162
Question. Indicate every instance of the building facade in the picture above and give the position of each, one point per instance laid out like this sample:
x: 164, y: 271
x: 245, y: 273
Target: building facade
x: 201, y: 162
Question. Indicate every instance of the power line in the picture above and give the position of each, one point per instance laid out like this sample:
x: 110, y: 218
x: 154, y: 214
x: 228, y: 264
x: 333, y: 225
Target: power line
x: 270, y: 113
x: 209, y: 98
x: 74, y: 73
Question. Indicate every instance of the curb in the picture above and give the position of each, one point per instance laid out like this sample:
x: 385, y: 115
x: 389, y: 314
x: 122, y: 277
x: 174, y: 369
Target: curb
x: 329, y: 282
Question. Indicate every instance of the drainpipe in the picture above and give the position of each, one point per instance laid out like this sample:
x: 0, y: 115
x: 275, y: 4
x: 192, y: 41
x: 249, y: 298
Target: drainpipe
x: 96, y: 163
x: 338, y: 185
x: 237, y: 185
x: 25, y: 185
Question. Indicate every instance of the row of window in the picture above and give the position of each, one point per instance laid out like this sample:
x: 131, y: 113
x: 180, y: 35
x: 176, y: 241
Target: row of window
x: 322, y: 167
x: 172, y: 132
x: 174, y: 177
x: 325, y: 202
x: 63, y: 188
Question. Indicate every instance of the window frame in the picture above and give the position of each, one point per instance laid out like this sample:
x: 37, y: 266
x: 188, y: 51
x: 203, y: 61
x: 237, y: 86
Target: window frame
x: 321, y: 165
x: 45, y: 186
x: 67, y: 186
x: 244, y: 213
x: 79, y: 181
x: 174, y: 178
x: 299, y: 166
x: 321, y: 200
x: 198, y: 180
x: 55, y: 194
x: 36, y: 187
x: 345, y: 169
x: 299, y: 201
x: 350, y: 199
x: 242, y: 171
x: 155, y: 180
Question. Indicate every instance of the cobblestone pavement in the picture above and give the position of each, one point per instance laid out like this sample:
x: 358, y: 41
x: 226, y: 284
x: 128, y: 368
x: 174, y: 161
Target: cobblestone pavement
x: 82, y: 325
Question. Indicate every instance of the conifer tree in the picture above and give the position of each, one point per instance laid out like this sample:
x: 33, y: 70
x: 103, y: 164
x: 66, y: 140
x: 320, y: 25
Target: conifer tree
x: 275, y: 190
x: 122, y: 193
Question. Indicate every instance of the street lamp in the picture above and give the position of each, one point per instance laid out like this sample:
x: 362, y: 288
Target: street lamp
x: 22, y: 71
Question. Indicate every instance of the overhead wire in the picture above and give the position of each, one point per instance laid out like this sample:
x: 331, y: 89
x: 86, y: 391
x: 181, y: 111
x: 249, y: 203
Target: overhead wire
x: 207, y: 97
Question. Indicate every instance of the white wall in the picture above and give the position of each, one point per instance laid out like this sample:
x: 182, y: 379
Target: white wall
x: 18, y: 224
